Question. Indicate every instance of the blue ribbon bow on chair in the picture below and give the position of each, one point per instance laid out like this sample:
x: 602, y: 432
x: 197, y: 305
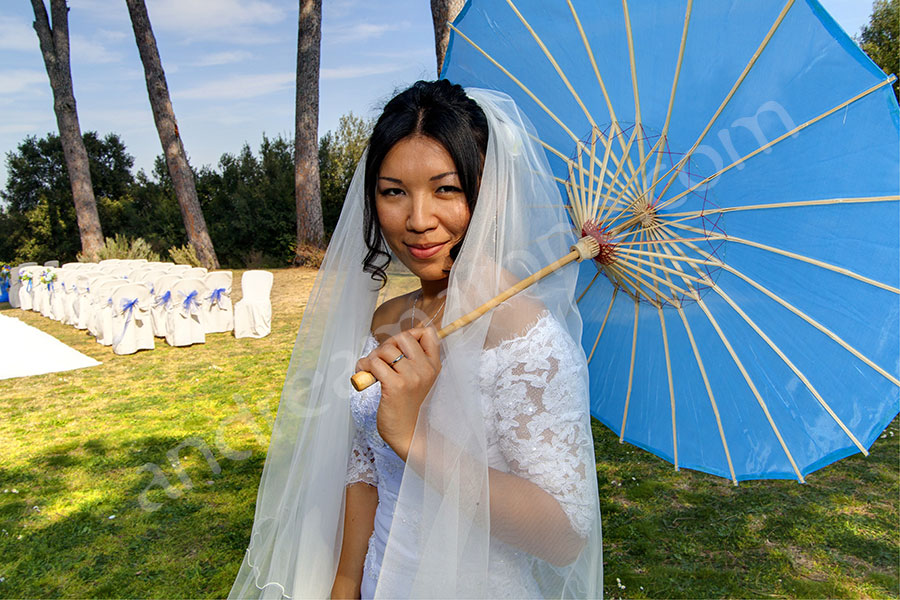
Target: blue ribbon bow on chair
x: 164, y: 300
x: 126, y: 308
x: 215, y: 297
x: 190, y: 304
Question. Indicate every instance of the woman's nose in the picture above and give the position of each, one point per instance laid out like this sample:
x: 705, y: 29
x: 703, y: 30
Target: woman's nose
x: 421, y: 214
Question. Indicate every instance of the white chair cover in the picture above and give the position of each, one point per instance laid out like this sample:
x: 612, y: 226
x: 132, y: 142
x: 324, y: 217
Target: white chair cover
x: 217, y: 304
x: 162, y: 302
x: 27, y: 289
x: 148, y: 278
x: 81, y: 301
x: 131, y: 326
x: 253, y: 313
x: 14, y: 286
x: 180, y: 269
x: 52, y: 263
x: 69, y: 288
x: 103, y: 311
x: 40, y: 296
x: 86, y: 308
x: 57, y: 291
x: 195, y: 273
x: 184, y: 323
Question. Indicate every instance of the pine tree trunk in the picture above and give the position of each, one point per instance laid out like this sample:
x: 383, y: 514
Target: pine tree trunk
x: 442, y: 13
x: 164, y: 116
x: 310, y: 230
x: 55, y: 50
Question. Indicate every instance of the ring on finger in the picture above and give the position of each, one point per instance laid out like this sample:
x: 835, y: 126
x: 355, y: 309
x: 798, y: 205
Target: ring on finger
x: 396, y: 360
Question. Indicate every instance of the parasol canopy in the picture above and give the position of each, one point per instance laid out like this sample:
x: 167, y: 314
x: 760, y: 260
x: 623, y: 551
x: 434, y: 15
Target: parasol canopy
x: 740, y: 160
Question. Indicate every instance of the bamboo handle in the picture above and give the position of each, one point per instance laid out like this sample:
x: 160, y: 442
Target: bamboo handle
x: 587, y: 247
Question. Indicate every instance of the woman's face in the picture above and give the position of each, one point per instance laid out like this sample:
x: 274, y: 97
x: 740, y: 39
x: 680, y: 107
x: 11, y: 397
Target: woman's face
x: 420, y: 205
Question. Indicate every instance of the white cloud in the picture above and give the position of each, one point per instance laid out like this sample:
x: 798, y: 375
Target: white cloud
x: 86, y: 50
x: 353, y: 72
x: 18, y: 129
x: 241, y: 86
x: 340, y: 8
x: 120, y: 120
x: 17, y: 35
x: 113, y: 14
x: 222, y: 58
x: 233, y: 20
x: 111, y: 35
x: 26, y: 120
x: 21, y: 80
x: 357, y: 32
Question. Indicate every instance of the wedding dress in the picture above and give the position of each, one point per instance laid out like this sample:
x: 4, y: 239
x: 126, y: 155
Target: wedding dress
x: 511, y: 397
x: 532, y: 398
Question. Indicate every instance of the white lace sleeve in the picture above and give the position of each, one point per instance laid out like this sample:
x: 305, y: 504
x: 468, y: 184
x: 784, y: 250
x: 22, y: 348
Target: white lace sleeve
x: 542, y: 426
x: 361, y: 465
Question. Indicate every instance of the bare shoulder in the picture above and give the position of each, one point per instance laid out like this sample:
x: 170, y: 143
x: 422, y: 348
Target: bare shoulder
x: 386, y: 319
x: 513, y: 319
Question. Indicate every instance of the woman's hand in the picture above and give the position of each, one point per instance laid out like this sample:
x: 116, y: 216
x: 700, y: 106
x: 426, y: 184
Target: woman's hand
x: 405, y: 383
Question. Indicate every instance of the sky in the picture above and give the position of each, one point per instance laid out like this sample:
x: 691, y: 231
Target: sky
x: 230, y: 67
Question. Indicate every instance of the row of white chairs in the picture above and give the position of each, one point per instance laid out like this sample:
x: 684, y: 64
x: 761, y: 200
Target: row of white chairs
x: 127, y: 305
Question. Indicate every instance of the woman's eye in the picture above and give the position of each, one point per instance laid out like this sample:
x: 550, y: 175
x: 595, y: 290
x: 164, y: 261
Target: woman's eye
x: 390, y: 192
x: 449, y: 189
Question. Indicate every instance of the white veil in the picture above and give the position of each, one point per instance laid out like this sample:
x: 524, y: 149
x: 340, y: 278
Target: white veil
x: 443, y: 511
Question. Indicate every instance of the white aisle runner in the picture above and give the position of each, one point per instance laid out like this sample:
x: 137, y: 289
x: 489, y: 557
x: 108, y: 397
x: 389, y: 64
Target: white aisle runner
x: 25, y: 350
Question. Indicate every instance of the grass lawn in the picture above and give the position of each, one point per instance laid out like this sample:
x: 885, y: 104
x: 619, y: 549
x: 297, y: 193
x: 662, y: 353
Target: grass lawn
x: 138, y: 479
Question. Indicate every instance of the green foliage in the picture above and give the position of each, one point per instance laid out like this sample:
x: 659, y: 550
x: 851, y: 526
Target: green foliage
x: 150, y: 211
x: 248, y: 204
x: 38, y: 216
x: 880, y: 39
x: 247, y: 199
x: 126, y: 248
x: 184, y: 255
x: 339, y: 154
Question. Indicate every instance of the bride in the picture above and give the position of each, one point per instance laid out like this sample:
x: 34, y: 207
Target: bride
x: 468, y: 470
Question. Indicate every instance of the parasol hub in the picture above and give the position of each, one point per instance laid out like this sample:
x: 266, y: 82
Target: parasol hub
x: 648, y: 217
x: 607, y: 252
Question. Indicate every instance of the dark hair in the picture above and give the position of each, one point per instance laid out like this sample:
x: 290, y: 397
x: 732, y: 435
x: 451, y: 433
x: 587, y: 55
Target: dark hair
x: 443, y: 112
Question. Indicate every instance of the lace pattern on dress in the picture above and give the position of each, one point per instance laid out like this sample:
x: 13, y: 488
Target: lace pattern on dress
x: 361, y: 466
x: 539, y: 398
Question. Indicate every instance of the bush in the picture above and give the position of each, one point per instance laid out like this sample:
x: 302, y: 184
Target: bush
x: 125, y: 248
x: 184, y: 255
x: 309, y: 256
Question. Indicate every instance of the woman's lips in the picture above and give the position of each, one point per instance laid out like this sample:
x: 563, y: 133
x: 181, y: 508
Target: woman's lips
x: 421, y: 253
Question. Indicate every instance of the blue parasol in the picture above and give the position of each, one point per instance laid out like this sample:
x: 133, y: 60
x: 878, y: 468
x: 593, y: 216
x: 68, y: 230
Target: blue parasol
x: 740, y: 158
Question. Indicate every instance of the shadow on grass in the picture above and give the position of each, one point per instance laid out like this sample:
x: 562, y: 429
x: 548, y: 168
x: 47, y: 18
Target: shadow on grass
x: 127, y: 540
x: 688, y: 534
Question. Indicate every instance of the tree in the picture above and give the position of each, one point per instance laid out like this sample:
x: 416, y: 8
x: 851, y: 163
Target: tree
x: 307, y: 193
x: 442, y: 13
x: 339, y: 154
x: 173, y: 149
x: 880, y: 39
x: 37, y: 197
x: 54, y: 44
x: 250, y: 200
